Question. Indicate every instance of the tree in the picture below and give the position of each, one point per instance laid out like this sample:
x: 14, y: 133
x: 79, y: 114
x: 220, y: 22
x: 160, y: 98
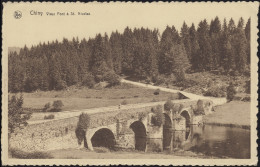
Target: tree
x: 215, y: 36
x: 206, y: 60
x: 17, y: 118
x: 186, y: 39
x: 57, y: 106
x: 179, y: 61
x: 117, y: 51
x: 247, y: 33
x: 194, y: 48
x: 231, y: 91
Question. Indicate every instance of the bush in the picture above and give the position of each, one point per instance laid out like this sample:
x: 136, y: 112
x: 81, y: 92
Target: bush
x: 231, y: 92
x: 51, y: 116
x: 158, y: 80
x: 82, y: 126
x: 46, y: 107
x: 16, y: 116
x: 16, y: 153
x: 124, y: 102
x: 157, y: 92
x: 168, y: 105
x: 248, y: 87
x: 57, y: 106
x: 157, y: 117
x: 215, y: 91
x: 148, y: 80
x: 112, y: 78
x: 88, y: 80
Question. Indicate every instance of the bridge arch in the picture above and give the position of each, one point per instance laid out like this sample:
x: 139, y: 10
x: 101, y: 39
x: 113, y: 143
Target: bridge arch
x: 187, y: 117
x: 167, y: 133
x: 140, y: 135
x: 101, y: 137
x: 186, y: 114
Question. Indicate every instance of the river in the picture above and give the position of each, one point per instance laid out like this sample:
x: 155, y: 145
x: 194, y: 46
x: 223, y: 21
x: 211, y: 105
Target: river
x: 217, y: 141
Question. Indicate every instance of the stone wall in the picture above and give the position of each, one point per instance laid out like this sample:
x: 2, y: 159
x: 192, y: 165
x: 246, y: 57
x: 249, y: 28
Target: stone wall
x: 50, y: 135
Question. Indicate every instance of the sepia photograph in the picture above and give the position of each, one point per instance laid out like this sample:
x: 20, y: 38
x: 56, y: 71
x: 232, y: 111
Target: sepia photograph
x: 129, y: 83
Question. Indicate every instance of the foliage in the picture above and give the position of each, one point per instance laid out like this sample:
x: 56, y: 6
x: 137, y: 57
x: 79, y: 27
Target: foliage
x: 157, y: 118
x: 51, y: 116
x: 16, y: 153
x: 158, y: 80
x: 88, y: 80
x: 157, y: 92
x: 168, y: 105
x: 231, y: 91
x: 57, y: 106
x: 16, y: 117
x: 139, y: 52
x: 248, y: 86
x: 215, y: 91
x: 112, y: 78
x: 46, y: 107
x: 82, y: 126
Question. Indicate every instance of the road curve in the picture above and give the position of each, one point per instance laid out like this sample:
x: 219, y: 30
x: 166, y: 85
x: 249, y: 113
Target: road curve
x: 216, y: 101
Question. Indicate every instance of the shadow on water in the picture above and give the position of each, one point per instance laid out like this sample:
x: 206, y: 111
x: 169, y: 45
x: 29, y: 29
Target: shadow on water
x: 209, y: 140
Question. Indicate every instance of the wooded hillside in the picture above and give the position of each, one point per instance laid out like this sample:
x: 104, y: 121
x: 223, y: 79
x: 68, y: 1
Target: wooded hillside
x: 141, y: 52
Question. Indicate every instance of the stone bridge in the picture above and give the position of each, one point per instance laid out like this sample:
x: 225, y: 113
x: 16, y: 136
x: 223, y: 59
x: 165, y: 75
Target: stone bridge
x: 132, y: 129
x: 129, y: 127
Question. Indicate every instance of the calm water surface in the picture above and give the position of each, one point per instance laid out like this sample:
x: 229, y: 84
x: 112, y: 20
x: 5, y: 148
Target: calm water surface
x: 210, y: 140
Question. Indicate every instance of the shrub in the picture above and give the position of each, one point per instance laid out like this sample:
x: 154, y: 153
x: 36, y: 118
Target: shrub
x: 112, y: 78
x: 88, y: 80
x: 248, y: 87
x: 157, y: 118
x: 46, y: 107
x: 231, y: 92
x: 168, y: 105
x: 51, y: 116
x: 246, y: 98
x: 157, y: 92
x: 148, y: 80
x: 82, y: 126
x: 57, y: 106
x: 158, y: 80
x: 124, y: 102
x: 215, y: 91
x: 16, y: 153
x: 16, y: 116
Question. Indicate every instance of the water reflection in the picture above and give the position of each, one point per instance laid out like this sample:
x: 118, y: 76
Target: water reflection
x: 210, y: 140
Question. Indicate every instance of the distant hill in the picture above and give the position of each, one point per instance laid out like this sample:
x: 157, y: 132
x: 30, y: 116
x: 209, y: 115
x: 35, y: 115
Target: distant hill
x: 14, y: 49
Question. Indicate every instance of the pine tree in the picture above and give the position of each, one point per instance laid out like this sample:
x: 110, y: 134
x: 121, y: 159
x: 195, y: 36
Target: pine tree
x: 206, y: 60
x: 179, y: 61
x: 194, y: 48
x: 117, y: 51
x: 215, y: 37
x: 186, y: 39
x: 247, y: 32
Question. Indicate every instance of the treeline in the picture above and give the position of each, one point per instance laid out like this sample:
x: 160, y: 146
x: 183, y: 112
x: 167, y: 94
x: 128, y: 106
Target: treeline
x: 142, y: 53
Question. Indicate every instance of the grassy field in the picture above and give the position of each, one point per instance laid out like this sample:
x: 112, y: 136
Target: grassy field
x: 83, y: 98
x: 235, y: 113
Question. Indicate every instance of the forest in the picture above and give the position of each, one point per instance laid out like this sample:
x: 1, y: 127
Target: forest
x: 140, y: 52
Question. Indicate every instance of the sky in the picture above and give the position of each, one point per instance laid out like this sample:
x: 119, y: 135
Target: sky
x: 31, y: 29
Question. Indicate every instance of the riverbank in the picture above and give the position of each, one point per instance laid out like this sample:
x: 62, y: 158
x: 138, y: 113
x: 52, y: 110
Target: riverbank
x: 86, y: 154
x: 232, y: 114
